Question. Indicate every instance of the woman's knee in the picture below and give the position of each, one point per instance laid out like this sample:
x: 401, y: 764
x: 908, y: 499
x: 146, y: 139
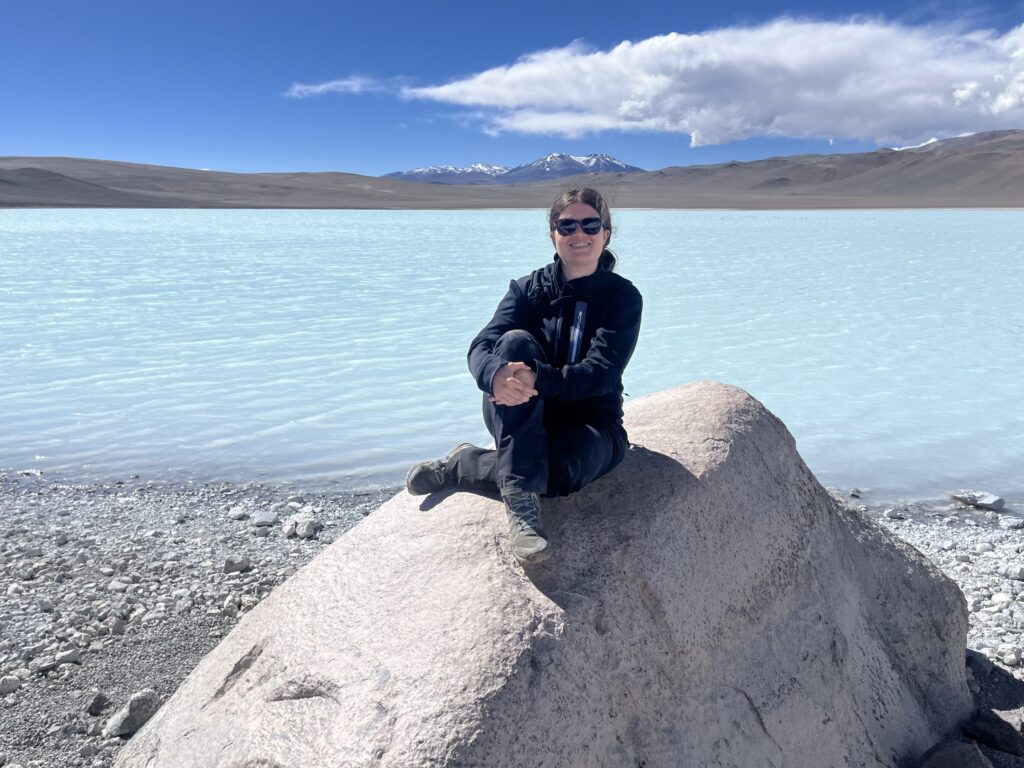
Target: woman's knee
x: 518, y: 344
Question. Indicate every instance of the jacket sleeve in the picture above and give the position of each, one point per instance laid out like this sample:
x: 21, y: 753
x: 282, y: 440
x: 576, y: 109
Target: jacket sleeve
x: 600, y: 371
x: 510, y: 314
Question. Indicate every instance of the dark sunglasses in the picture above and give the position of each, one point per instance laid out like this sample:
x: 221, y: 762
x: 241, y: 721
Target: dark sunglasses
x: 589, y: 226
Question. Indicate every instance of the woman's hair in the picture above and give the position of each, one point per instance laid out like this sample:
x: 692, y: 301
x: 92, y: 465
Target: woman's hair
x: 593, y: 198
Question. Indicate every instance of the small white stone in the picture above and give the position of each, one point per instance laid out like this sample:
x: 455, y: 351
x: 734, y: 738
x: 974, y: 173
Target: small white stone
x: 1015, y: 572
x: 73, y: 656
x: 264, y: 517
x: 303, y: 525
x: 1011, y: 657
x: 237, y: 513
x: 9, y: 684
x: 133, y: 715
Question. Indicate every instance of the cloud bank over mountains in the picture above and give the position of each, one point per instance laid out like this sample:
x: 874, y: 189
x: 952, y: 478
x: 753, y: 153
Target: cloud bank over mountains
x: 864, y: 79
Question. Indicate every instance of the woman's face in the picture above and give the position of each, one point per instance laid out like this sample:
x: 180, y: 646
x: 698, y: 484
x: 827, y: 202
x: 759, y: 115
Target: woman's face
x: 579, y: 252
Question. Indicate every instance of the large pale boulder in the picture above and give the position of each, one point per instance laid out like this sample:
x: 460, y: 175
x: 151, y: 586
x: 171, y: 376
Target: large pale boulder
x: 708, y: 604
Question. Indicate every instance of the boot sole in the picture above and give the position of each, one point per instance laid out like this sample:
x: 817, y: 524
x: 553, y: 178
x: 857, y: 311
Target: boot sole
x: 536, y: 557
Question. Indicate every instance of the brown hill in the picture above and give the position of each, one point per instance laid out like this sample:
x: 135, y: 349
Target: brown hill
x: 982, y: 170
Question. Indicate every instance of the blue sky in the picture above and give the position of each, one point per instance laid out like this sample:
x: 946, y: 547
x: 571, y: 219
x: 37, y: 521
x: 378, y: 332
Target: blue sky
x: 373, y: 87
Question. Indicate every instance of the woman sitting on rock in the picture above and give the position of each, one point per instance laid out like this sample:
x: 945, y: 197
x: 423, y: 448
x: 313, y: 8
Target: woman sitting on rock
x: 550, y: 365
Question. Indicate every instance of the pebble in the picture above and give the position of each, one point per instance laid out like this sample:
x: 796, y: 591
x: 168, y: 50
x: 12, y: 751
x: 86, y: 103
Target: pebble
x: 98, y: 702
x: 237, y: 513
x: 237, y: 564
x: 73, y: 656
x: 115, y: 625
x: 1014, y: 571
x: 264, y: 517
x: 133, y: 715
x: 9, y: 684
x: 304, y: 525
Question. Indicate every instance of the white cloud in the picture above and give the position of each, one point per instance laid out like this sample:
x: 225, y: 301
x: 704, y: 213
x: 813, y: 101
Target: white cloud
x: 353, y: 84
x: 856, y: 79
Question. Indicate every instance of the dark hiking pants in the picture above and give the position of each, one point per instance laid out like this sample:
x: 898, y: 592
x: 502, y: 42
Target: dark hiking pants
x: 534, y: 453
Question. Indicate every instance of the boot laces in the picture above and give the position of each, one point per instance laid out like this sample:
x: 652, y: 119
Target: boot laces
x: 523, y: 510
x: 440, y: 472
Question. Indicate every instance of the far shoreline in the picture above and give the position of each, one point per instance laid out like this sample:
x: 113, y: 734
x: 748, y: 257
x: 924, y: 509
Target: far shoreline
x: 985, y: 170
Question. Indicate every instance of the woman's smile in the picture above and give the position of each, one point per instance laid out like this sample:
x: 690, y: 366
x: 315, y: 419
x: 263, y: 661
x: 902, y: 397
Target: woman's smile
x: 580, y: 252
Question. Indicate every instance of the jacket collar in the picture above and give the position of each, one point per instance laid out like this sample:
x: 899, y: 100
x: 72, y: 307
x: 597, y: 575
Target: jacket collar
x: 581, y: 286
x: 549, y: 284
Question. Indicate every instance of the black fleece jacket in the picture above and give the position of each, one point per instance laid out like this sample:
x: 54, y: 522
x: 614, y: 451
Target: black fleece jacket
x: 581, y: 382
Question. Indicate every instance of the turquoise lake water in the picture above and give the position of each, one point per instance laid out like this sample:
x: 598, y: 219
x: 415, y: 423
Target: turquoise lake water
x: 329, y: 346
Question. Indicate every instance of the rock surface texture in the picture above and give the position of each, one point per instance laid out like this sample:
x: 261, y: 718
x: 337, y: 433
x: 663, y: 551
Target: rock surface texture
x: 708, y: 604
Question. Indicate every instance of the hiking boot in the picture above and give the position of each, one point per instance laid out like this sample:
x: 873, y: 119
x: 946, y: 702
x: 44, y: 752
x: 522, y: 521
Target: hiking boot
x: 529, y: 542
x: 432, y: 476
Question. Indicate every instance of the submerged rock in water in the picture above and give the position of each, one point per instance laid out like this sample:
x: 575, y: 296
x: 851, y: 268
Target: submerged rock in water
x: 979, y: 499
x: 708, y: 603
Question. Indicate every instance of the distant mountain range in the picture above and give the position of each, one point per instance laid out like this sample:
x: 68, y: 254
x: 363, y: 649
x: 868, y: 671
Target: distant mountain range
x: 984, y: 170
x: 555, y: 166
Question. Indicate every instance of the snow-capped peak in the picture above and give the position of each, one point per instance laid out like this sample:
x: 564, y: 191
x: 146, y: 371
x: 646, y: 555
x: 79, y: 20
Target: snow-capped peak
x: 493, y: 170
x: 554, y: 165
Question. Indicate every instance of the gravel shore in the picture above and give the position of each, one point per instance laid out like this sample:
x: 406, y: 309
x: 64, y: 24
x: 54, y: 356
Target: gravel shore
x: 109, y: 590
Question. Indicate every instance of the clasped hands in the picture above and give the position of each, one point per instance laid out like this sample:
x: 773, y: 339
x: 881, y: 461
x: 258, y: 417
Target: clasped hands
x: 513, y: 384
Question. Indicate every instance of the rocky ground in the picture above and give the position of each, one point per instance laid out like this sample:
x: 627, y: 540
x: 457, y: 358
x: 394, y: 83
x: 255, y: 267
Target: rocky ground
x: 107, y: 591
x: 111, y: 593
x: 981, y: 550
